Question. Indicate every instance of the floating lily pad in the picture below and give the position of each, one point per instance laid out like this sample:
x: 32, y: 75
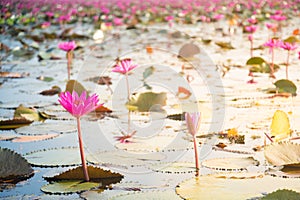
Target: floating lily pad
x: 233, y: 186
x: 123, y: 158
x: 280, y: 126
x: 54, y: 157
x: 143, y: 102
x: 174, y: 167
x: 230, y: 164
x: 283, y: 153
x: 95, y: 174
x: 286, y: 172
x: 225, y: 45
x: 47, y: 128
x: 13, y: 167
x: 150, y: 195
x: 188, y: 50
x: 34, y: 138
x: 282, y: 194
x: 73, y: 85
x: 14, y: 123
x: 286, y: 86
x: 68, y: 187
x: 258, y: 64
x: 292, y: 39
x: 29, y: 114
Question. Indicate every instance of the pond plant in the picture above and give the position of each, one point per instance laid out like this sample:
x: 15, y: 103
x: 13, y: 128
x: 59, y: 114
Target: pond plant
x: 79, y: 106
x: 68, y: 47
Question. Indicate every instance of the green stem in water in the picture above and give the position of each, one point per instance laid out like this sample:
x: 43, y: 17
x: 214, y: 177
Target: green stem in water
x: 84, y: 167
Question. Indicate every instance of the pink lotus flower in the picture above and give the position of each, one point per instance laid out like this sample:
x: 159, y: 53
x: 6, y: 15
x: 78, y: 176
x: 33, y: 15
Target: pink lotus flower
x: 45, y: 24
x: 273, y: 43
x: 218, y: 17
x: 252, y: 20
x: 193, y: 125
x: 288, y: 46
x: 67, y: 46
x: 117, y: 21
x: 124, y: 66
x: 78, y: 105
x: 278, y: 17
x: 271, y: 26
x: 169, y: 18
x: 251, y: 28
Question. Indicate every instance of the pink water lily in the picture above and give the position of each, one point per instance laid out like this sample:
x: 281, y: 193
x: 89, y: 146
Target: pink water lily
x: 272, y: 43
x: 79, y: 106
x: 251, y: 28
x: 289, y: 47
x: 124, y: 66
x: 67, y: 46
x: 193, y: 124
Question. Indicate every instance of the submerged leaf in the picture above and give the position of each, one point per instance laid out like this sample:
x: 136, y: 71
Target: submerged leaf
x: 283, y: 153
x: 286, y: 86
x: 73, y: 85
x: 14, y: 123
x: 13, y: 167
x: 68, y: 187
x: 146, y: 101
x: 234, y: 186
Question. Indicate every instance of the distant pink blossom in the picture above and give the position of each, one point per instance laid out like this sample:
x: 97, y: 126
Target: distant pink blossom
x: 218, y: 17
x: 45, y: 24
x: 251, y: 28
x: 288, y: 46
x: 271, y: 26
x: 49, y: 14
x: 252, y: 20
x: 64, y: 18
x: 273, y: 43
x: 67, y: 46
x: 250, y: 37
x: 278, y: 17
x: 117, y: 21
x: 124, y: 66
x: 169, y: 18
x: 78, y: 105
x: 299, y: 55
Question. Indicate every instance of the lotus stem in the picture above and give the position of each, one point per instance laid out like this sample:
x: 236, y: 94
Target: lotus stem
x: 127, y: 84
x: 69, y: 57
x: 287, y: 66
x: 84, y: 167
x: 196, y: 155
x: 272, y: 64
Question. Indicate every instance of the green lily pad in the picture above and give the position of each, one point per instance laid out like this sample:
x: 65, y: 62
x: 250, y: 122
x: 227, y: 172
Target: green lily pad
x: 68, y: 187
x: 13, y: 167
x: 54, y: 157
x: 292, y: 39
x: 143, y: 102
x: 282, y: 194
x: 73, y: 85
x: 225, y: 45
x: 14, y: 123
x: 234, y: 186
x: 258, y: 64
x: 286, y: 86
x: 95, y: 174
x: 30, y: 114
